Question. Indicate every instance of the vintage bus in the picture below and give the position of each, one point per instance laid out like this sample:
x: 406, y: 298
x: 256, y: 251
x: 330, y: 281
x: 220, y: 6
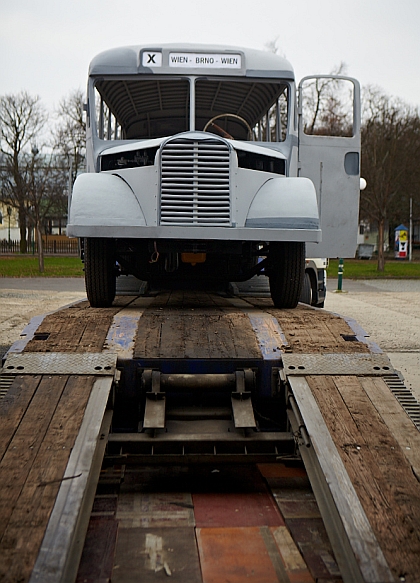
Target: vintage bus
x: 200, y: 171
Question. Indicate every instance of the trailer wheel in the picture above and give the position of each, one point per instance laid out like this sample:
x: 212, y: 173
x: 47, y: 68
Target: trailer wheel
x: 287, y: 270
x: 100, y: 275
x: 306, y: 295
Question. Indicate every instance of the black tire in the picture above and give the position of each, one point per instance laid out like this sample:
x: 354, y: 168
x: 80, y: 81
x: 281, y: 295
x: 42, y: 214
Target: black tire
x: 100, y: 274
x: 286, y: 274
x: 306, y: 295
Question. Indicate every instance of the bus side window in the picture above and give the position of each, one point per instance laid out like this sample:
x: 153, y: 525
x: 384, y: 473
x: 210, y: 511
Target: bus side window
x: 272, y: 126
x: 107, y: 125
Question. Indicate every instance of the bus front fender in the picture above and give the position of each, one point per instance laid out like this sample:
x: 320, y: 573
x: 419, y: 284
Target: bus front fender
x: 101, y: 201
x: 285, y: 203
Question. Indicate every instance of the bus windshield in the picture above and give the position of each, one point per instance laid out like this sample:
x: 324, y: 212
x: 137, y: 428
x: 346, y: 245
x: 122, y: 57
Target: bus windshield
x: 157, y: 106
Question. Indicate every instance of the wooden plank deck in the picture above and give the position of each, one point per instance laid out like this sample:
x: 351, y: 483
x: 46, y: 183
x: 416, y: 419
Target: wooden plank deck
x: 311, y: 331
x: 195, y: 325
x: 370, y: 471
x: 40, y: 418
x: 383, y: 477
x: 78, y: 328
x: 50, y: 428
x: 373, y: 437
x: 42, y: 415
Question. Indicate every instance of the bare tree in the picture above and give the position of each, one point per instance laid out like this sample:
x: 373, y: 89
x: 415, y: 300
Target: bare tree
x: 70, y: 135
x: 22, y: 118
x: 45, y: 187
x: 390, y: 152
x: 325, y: 104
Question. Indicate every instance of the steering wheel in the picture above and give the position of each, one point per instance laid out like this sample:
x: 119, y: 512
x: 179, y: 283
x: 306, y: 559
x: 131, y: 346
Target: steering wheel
x: 221, y: 131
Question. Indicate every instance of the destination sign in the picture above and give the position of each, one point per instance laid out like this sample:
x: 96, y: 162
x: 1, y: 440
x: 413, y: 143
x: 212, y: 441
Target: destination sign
x: 205, y: 60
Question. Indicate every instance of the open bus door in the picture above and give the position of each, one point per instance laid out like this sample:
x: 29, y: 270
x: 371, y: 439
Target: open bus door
x: 329, y: 154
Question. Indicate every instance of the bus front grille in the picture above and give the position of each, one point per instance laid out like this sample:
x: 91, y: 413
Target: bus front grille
x: 195, y: 183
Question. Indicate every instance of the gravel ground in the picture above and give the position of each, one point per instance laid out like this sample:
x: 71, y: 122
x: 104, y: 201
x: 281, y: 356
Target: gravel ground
x: 23, y: 298
x: 388, y: 310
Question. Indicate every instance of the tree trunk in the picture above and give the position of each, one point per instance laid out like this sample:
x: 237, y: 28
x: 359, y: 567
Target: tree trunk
x: 381, y: 255
x: 40, y: 248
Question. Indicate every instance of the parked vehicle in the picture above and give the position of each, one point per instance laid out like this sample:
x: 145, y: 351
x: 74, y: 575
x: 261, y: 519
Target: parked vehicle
x: 198, y: 165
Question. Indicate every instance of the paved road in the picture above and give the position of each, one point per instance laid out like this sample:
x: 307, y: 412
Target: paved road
x: 388, y: 310
x: 51, y: 284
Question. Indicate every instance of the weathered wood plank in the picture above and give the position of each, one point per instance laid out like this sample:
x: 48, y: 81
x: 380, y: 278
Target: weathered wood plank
x: 192, y: 325
x: 357, y: 532
x: 62, y: 544
x: 122, y: 333
x: 202, y: 337
x: 243, y: 334
x: 381, y: 475
x: 148, y: 336
x: 173, y: 335
x: 309, y: 331
x: 25, y: 530
x: 24, y: 447
x: 13, y: 407
x: 396, y: 419
x: 75, y: 329
x: 219, y: 334
x: 389, y: 468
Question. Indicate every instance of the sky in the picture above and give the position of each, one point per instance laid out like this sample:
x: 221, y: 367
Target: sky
x: 46, y: 45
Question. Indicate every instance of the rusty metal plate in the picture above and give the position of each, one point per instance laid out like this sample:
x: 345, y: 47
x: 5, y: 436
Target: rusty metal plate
x: 237, y: 555
x: 337, y: 364
x: 57, y: 363
x: 239, y: 509
x: 279, y: 470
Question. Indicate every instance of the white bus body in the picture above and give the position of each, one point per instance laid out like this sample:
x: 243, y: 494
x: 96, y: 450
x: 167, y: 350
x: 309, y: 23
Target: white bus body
x: 198, y: 166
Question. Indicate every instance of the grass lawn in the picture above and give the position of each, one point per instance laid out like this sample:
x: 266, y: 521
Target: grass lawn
x: 368, y: 269
x: 27, y: 266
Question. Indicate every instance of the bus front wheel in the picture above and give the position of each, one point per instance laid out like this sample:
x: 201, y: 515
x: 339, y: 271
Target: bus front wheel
x: 100, y: 272
x: 286, y: 272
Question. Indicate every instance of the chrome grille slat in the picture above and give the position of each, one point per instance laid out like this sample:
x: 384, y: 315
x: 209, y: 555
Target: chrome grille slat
x: 195, y: 183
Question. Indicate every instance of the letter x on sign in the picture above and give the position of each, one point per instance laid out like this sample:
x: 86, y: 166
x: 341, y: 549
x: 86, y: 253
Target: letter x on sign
x: 150, y: 59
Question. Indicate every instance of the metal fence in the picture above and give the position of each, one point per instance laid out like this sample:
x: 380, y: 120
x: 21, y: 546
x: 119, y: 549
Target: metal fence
x: 52, y: 246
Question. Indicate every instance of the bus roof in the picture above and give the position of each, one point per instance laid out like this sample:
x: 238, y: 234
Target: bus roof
x: 190, y: 59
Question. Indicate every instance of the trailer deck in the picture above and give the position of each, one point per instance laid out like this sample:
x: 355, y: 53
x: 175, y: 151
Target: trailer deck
x: 197, y: 482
